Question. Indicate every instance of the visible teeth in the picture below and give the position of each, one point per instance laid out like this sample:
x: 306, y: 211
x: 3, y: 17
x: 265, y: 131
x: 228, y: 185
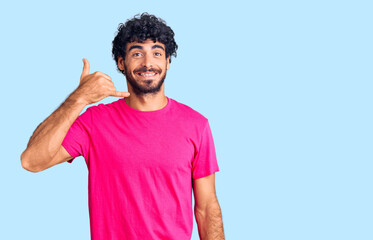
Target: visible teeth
x: 147, y: 74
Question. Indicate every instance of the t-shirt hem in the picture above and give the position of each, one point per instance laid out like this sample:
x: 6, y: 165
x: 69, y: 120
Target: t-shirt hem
x: 206, y: 174
x: 70, y: 151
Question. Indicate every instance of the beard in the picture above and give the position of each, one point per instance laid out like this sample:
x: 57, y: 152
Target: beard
x: 148, y: 87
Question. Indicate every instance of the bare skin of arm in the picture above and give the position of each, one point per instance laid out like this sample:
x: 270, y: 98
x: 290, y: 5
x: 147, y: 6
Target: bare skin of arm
x: 48, y: 137
x: 44, y: 148
x: 207, y: 209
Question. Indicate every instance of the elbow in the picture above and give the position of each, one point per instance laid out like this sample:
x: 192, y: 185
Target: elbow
x: 211, y: 207
x: 200, y: 212
x: 26, y: 164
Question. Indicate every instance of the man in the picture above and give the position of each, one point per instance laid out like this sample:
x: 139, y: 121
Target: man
x: 145, y: 152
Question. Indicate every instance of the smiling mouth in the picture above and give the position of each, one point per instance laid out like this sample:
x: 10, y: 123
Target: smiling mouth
x: 147, y: 75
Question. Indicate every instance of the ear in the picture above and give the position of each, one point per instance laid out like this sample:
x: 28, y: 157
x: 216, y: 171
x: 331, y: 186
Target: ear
x: 168, y: 62
x: 120, y: 63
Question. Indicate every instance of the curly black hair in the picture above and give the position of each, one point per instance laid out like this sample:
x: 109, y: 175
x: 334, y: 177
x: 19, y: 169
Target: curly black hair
x: 139, y: 29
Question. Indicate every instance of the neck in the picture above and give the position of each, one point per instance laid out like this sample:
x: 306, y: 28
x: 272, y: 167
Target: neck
x: 146, y: 102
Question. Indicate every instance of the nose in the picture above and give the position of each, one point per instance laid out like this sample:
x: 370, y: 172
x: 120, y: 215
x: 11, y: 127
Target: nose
x: 147, y: 61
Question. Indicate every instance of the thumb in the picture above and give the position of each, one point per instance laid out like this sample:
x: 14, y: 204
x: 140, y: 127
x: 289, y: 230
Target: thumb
x: 85, y: 68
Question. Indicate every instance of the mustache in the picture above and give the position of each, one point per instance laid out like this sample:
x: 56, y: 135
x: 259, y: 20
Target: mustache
x: 144, y: 69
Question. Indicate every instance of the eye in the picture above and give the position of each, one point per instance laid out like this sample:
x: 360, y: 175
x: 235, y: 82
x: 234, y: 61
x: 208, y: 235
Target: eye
x: 134, y: 55
x: 159, y: 54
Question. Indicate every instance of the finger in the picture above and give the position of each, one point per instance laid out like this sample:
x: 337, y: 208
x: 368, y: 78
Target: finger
x: 104, y: 75
x: 85, y: 68
x: 119, y: 94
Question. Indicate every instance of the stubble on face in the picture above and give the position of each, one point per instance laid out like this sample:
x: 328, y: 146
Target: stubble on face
x: 149, y: 87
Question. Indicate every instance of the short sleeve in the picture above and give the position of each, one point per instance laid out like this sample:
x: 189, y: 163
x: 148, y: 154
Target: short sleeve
x: 77, y: 139
x: 205, y: 162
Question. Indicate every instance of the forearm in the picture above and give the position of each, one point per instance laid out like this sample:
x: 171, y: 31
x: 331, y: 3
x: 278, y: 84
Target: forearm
x: 210, y: 222
x: 48, y: 136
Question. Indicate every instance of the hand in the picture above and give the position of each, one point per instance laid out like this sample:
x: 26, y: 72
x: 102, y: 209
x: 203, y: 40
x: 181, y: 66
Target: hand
x: 96, y: 86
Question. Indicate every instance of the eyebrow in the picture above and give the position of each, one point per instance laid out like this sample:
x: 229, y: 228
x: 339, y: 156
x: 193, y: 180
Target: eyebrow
x: 140, y: 47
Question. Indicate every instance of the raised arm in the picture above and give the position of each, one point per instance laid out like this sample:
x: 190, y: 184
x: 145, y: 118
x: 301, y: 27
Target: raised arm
x: 44, y: 148
x: 48, y: 136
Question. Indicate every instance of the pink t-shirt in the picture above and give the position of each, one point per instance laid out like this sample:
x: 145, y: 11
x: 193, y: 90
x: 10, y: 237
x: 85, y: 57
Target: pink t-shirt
x: 141, y: 165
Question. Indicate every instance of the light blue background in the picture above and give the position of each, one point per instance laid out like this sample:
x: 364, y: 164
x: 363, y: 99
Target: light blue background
x: 286, y: 86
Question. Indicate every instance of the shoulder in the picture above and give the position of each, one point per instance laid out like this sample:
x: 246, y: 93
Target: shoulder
x: 103, y: 108
x: 189, y: 114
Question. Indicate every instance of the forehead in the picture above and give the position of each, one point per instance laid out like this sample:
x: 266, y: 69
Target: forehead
x: 148, y: 43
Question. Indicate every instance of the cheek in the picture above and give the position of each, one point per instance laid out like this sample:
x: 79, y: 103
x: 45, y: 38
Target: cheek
x: 129, y: 67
